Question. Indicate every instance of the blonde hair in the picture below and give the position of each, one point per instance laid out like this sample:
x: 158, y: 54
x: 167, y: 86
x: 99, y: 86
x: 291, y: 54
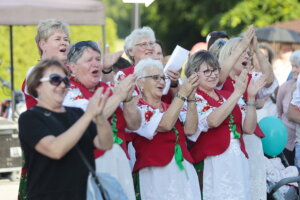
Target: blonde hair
x: 226, y: 50
x: 47, y: 27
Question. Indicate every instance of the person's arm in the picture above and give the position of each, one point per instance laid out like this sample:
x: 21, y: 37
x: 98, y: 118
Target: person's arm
x: 191, y: 122
x: 174, y: 76
x: 132, y: 114
x: 104, y: 137
x: 250, y: 120
x: 56, y: 147
x: 109, y: 59
x: 280, y: 95
x: 217, y: 117
x: 294, y: 113
x: 228, y: 63
x: 265, y: 66
x: 171, y: 115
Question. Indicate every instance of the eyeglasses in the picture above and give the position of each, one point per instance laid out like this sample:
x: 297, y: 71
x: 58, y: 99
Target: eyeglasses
x: 144, y: 45
x: 156, y: 77
x: 79, y: 45
x: 208, y: 72
x: 56, y: 80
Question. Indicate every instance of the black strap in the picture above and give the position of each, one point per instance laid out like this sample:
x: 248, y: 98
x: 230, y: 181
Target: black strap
x: 92, y: 171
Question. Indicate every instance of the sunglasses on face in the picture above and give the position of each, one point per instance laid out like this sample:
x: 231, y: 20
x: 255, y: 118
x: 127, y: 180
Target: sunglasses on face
x: 209, y: 72
x: 156, y: 77
x: 83, y: 44
x: 56, y: 80
x: 144, y: 45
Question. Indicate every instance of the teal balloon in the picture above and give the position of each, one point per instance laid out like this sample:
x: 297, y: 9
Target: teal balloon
x: 275, y: 135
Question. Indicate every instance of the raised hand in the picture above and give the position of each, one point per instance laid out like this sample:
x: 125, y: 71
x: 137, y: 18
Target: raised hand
x: 97, y: 102
x: 125, y: 88
x: 190, y: 85
x: 173, y: 75
x: 255, y: 86
x: 248, y: 36
x: 241, y: 83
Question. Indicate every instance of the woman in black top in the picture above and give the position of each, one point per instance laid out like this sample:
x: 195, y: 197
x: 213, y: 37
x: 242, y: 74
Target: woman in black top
x: 50, y: 134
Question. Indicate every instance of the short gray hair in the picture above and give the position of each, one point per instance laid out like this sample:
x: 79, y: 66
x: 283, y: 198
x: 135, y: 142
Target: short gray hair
x: 147, y: 63
x: 76, y: 50
x: 135, y: 36
x: 47, y: 27
x: 197, y: 59
x: 295, y: 57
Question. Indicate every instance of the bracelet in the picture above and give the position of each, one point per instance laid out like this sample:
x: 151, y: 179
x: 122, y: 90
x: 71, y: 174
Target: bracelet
x: 252, y: 104
x: 180, y: 97
x: 175, y: 85
x: 104, y: 72
x: 191, y: 100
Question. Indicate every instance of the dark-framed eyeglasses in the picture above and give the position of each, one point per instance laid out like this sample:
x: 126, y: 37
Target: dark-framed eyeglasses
x: 144, y: 45
x: 83, y: 44
x: 209, y: 72
x: 156, y: 77
x: 56, y: 79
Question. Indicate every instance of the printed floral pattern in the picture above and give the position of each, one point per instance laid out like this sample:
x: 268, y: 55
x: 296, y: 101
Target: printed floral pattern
x: 148, y: 115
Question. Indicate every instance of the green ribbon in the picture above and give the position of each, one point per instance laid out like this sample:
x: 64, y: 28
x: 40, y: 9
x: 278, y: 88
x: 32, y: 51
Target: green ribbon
x: 117, y: 140
x: 178, y: 151
x: 232, y: 127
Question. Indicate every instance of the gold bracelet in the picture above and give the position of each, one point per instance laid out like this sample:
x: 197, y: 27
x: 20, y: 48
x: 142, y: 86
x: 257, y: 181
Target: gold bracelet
x: 180, y: 97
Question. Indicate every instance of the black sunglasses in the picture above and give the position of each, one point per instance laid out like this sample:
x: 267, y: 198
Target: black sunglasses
x: 56, y: 80
x: 79, y: 45
x: 219, y: 34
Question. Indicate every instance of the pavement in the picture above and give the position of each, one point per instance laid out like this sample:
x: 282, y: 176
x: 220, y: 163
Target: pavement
x: 8, y: 189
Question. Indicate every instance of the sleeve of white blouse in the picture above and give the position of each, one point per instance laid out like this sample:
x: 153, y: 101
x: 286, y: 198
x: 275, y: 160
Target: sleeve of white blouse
x: 263, y: 92
x: 243, y: 107
x: 150, y: 121
x: 74, y: 98
x: 296, y: 94
x: 203, y: 110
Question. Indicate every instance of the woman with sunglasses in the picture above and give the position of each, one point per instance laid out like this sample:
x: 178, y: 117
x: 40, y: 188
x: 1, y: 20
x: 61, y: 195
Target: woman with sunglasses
x: 218, y: 144
x: 163, y: 168
x: 51, y: 135
x: 84, y: 60
x: 52, y: 40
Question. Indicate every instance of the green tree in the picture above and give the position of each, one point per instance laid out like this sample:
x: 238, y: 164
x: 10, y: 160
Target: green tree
x: 188, y: 22
x: 26, y: 53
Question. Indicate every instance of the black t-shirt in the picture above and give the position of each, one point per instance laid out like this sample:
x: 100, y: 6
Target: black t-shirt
x: 62, y: 179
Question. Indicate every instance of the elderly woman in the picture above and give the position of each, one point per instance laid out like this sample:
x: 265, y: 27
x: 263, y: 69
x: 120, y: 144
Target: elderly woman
x: 223, y: 118
x: 52, y: 40
x: 51, y: 135
x: 245, y: 61
x: 84, y: 62
x: 284, y: 98
x: 163, y: 164
x: 141, y: 44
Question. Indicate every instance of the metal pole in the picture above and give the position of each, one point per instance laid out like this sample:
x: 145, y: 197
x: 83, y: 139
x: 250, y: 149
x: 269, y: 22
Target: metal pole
x: 13, y: 101
x: 136, y: 16
x: 103, y: 38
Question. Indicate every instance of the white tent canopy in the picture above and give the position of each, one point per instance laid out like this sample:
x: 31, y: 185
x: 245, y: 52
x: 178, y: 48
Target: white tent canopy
x: 31, y: 12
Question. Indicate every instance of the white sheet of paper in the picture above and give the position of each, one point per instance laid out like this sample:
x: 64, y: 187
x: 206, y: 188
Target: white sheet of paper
x: 177, y: 59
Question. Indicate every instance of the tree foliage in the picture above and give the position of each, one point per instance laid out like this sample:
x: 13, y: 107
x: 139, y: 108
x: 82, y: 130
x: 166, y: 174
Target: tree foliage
x: 26, y: 53
x: 188, y: 22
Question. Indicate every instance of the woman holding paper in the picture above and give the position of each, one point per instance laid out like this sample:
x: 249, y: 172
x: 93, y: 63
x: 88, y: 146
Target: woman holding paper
x: 163, y: 168
x: 218, y: 144
x: 140, y: 44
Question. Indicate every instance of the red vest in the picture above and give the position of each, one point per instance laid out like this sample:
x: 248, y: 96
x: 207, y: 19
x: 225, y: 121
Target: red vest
x: 121, y: 123
x: 160, y: 150
x: 216, y: 140
x: 30, y: 101
x: 228, y: 86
